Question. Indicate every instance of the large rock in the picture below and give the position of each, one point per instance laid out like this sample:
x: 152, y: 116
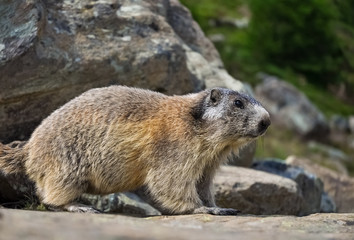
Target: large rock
x: 257, y: 192
x: 338, y: 186
x: 51, y: 51
x: 311, y: 186
x: 17, y: 224
x: 291, y: 108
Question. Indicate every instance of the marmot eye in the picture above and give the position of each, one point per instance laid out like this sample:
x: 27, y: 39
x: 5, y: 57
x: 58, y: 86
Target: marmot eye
x: 239, y: 104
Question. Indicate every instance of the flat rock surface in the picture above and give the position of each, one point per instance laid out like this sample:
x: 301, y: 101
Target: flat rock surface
x: 20, y: 224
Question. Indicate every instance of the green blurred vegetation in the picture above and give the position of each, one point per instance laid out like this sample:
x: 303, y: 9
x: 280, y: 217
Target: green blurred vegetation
x: 298, y: 36
x: 310, y: 44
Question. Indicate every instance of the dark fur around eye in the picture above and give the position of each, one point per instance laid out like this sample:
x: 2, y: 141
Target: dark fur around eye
x: 239, y: 104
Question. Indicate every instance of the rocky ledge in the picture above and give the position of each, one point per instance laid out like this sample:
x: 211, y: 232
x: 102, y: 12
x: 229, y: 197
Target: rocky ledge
x: 16, y: 224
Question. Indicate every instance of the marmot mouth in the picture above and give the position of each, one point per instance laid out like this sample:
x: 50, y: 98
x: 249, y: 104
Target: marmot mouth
x: 252, y: 135
x: 255, y: 135
x: 262, y: 132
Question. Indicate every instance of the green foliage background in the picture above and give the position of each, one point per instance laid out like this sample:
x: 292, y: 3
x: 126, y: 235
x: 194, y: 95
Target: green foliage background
x: 295, y: 35
x: 308, y: 43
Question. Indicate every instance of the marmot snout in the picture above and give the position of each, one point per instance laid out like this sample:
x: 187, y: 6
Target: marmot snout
x: 119, y: 139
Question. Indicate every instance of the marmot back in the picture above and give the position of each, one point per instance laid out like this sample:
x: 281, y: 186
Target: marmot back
x: 119, y: 139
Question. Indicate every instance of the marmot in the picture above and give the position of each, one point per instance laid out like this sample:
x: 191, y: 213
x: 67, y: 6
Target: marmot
x: 117, y: 138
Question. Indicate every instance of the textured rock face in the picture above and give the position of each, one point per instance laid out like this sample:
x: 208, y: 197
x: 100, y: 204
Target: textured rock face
x: 338, y: 186
x: 257, y: 192
x: 291, y: 108
x: 51, y: 51
x: 127, y: 203
x: 310, y: 185
x: 15, y: 224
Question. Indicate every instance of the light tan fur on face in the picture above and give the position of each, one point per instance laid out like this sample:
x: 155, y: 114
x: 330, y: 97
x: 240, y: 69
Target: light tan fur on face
x: 118, y: 139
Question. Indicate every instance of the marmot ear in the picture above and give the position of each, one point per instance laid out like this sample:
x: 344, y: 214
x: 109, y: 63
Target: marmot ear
x: 215, y: 96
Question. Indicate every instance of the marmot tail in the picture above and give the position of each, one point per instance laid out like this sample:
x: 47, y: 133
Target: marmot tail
x: 12, y: 159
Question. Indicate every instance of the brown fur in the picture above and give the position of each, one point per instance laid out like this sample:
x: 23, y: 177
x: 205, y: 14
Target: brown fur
x: 12, y: 157
x: 118, y: 139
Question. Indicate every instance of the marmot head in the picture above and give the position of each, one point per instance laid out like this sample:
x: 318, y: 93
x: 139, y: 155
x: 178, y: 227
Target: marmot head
x: 233, y: 116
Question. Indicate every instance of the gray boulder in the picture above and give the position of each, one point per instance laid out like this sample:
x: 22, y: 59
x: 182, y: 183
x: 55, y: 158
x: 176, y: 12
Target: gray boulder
x: 311, y: 186
x: 51, y: 51
x: 338, y: 186
x: 291, y: 108
x: 257, y: 192
x: 327, y: 203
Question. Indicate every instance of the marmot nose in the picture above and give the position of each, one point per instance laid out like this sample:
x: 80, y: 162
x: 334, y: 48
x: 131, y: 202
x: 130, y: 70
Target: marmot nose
x: 263, y: 124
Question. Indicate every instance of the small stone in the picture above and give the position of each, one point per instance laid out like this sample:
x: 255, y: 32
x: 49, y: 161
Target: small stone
x: 327, y: 204
x: 128, y: 203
